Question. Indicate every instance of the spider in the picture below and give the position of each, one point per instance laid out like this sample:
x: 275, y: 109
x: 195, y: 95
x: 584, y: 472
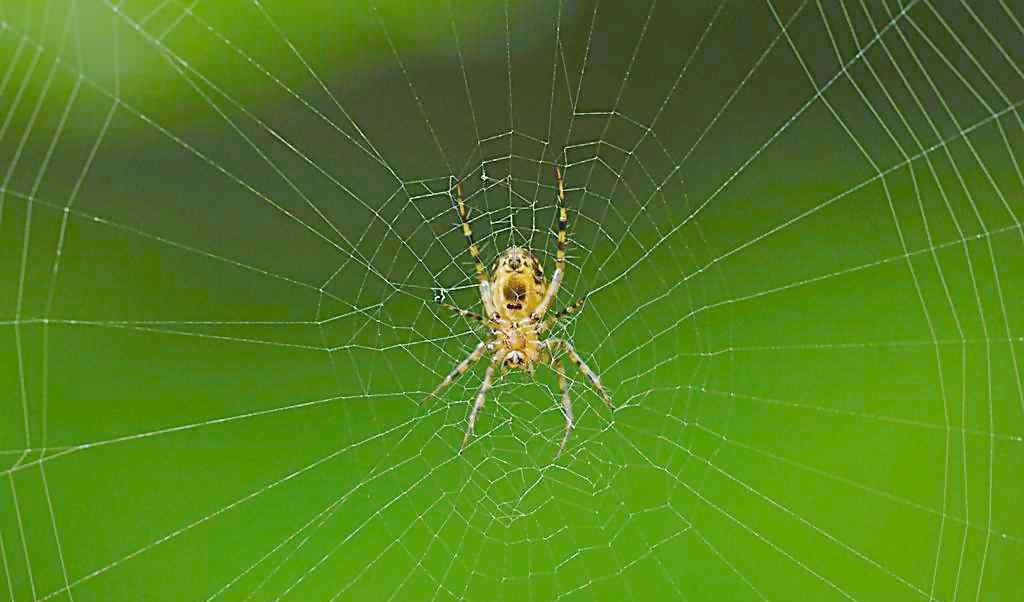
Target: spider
x: 515, y: 297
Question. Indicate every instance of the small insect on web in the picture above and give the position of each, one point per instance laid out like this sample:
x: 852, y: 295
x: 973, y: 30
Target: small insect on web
x: 516, y: 296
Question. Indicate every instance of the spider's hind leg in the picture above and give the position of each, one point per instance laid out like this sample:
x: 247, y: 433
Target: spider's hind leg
x: 474, y: 250
x: 563, y: 234
x: 550, y: 321
x: 571, y: 309
x: 465, y: 313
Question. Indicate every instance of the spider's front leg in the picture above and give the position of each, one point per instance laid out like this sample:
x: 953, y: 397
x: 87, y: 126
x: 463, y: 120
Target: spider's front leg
x: 563, y: 385
x: 481, y: 396
x: 574, y: 357
x: 461, y: 368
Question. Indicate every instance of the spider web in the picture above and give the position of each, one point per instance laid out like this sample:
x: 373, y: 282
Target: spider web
x: 796, y: 226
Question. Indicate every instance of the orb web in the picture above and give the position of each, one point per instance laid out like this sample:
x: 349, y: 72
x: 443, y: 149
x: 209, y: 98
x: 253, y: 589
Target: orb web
x: 796, y: 227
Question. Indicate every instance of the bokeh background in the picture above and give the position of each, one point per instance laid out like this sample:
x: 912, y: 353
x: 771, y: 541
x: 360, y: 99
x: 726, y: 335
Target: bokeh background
x: 796, y: 225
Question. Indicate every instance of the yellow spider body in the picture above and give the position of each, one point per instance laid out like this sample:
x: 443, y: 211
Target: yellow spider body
x: 516, y: 296
x: 517, y: 284
x: 517, y: 289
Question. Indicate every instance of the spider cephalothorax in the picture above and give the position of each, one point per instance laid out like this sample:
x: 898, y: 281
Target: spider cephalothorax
x: 515, y: 297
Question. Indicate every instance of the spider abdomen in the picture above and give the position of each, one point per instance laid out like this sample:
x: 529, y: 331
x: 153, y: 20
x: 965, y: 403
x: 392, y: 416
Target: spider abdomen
x: 517, y: 284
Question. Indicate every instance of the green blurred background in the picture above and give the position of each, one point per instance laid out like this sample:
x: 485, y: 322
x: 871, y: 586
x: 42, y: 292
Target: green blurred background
x: 223, y: 224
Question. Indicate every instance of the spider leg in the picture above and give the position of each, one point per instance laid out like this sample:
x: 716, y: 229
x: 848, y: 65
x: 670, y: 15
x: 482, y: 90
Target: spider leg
x: 556, y: 278
x: 563, y: 384
x: 574, y: 357
x: 494, y: 321
x: 474, y: 251
x: 546, y: 324
x: 465, y: 313
x: 461, y: 368
x: 480, y: 397
x: 571, y: 309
